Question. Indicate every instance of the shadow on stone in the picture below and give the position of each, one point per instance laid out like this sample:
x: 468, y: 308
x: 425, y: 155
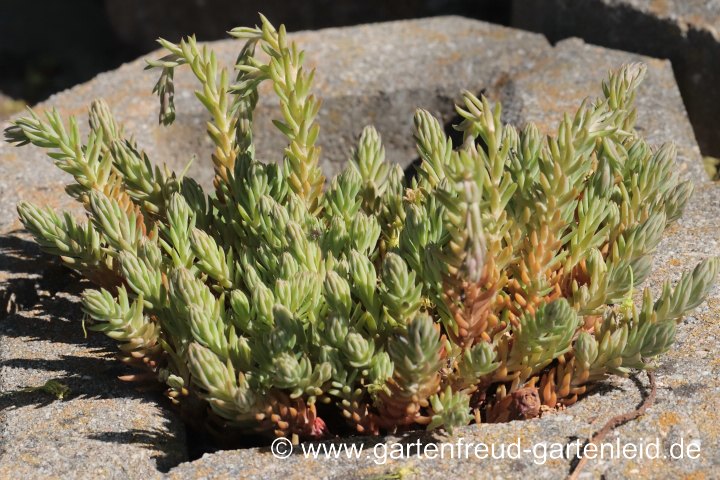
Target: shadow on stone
x: 149, y: 439
x: 411, y: 171
x: 78, y: 385
x: 599, y: 389
x: 40, y: 307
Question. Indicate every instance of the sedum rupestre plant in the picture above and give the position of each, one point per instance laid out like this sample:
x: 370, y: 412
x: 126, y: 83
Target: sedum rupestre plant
x: 494, y: 284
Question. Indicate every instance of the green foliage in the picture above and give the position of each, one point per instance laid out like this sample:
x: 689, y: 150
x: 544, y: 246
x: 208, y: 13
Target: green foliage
x: 53, y: 388
x: 505, y: 266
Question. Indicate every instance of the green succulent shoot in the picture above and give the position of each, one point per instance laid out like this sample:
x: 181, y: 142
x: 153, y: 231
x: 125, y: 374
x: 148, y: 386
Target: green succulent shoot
x: 504, y: 265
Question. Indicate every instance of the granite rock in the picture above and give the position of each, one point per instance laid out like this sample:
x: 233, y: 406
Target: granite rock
x: 367, y: 74
x: 685, y: 31
x: 8, y: 106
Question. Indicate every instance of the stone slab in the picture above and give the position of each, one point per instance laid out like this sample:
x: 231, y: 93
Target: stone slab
x: 685, y: 31
x: 372, y: 73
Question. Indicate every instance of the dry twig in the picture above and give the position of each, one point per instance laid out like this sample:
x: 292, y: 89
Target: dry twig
x: 616, y: 421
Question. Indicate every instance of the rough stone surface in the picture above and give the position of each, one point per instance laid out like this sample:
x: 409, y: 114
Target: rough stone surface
x: 8, y: 106
x: 379, y: 74
x: 685, y: 31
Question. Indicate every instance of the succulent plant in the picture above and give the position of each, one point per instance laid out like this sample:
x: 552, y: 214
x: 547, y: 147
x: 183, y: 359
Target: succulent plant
x: 496, y: 283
